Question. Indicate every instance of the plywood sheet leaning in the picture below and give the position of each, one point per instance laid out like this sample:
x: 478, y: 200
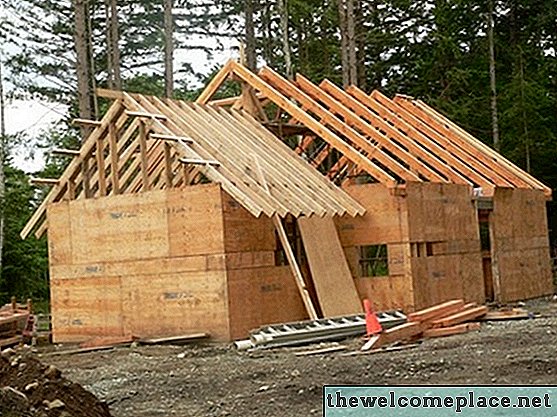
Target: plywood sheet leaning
x: 333, y: 281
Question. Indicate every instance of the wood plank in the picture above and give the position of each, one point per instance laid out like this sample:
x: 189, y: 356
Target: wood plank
x: 175, y: 340
x: 114, y: 158
x: 461, y: 317
x: 437, y: 311
x: 399, y: 333
x: 144, y: 162
x: 107, y: 342
x: 322, y: 351
x: 331, y: 275
x: 452, y: 330
x: 101, y: 169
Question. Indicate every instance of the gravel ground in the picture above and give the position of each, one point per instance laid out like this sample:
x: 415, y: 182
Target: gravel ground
x: 216, y: 380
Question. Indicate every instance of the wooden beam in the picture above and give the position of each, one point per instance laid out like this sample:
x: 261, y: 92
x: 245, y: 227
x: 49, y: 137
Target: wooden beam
x: 114, y: 158
x: 168, y: 173
x: 224, y: 102
x: 99, y: 154
x: 437, y: 311
x: 44, y: 181
x: 199, y: 162
x: 316, y: 127
x: 65, y: 152
x: 146, y: 115
x: 111, y: 94
x: 143, y: 155
x: 86, y: 122
x: 472, y: 313
x: 171, y: 138
x: 215, y: 83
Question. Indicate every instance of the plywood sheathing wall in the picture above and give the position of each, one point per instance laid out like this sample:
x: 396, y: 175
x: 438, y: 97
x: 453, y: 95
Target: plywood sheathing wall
x: 520, y: 245
x: 443, y: 223
x: 149, y: 264
x: 258, y: 291
x: 385, y: 222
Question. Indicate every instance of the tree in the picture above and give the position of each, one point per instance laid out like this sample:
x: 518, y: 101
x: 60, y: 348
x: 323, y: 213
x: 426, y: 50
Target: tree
x: 168, y: 48
x: 492, y: 76
x: 113, y: 47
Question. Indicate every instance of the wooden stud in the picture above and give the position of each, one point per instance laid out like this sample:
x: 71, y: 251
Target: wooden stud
x: 143, y: 156
x: 111, y: 94
x: 169, y: 174
x: 114, y: 159
x: 99, y: 153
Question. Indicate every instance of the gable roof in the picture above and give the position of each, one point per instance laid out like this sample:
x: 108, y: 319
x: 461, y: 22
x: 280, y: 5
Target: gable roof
x: 393, y: 141
x: 160, y: 143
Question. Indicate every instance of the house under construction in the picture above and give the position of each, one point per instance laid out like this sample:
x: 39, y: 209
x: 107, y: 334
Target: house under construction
x: 291, y: 201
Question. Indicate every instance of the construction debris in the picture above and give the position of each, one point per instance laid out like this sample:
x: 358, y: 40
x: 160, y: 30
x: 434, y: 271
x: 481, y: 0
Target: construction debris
x: 17, y: 323
x: 312, y: 331
x: 512, y: 314
x: 176, y: 340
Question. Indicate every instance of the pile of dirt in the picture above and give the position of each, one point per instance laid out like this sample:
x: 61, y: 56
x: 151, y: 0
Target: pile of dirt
x: 29, y: 388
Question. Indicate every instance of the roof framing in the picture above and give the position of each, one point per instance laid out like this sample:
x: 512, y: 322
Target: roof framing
x: 393, y: 141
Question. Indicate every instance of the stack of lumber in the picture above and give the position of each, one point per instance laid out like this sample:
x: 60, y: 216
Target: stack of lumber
x: 446, y: 319
x: 14, y: 319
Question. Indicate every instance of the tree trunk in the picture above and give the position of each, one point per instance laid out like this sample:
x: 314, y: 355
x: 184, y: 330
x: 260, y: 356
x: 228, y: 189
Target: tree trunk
x: 168, y: 48
x: 251, y: 57
x: 2, y: 177
x: 83, y: 63
x: 113, y: 37
x: 344, y: 43
x: 492, y: 77
x: 283, y: 10
x: 351, y: 32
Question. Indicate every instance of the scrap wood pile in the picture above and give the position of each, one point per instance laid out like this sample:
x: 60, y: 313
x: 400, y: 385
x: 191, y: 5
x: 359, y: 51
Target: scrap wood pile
x: 16, y: 323
x: 449, y: 318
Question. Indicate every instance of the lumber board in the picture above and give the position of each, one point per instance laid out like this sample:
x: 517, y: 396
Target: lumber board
x: 11, y: 341
x: 331, y: 275
x: 215, y: 83
x: 321, y: 351
x: 175, y: 340
x: 452, y: 330
x: 461, y: 317
x: 99, y: 342
x: 437, y: 311
x: 399, y: 333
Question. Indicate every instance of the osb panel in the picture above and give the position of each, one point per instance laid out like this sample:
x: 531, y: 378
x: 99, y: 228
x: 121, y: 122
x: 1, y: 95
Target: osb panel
x: 117, y: 228
x: 86, y: 308
x: 446, y: 277
x: 59, y: 233
x: 332, y: 279
x: 387, y: 293
x: 195, y: 220
x: 260, y: 296
x: 385, y: 220
x: 441, y: 212
x: 241, y: 260
x: 175, y: 304
x: 520, y: 245
x: 147, y: 267
x: 243, y: 232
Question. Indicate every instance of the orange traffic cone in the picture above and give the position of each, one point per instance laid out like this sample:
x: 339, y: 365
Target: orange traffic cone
x: 372, y: 322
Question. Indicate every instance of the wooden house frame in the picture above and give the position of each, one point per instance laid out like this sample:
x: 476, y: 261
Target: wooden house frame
x: 426, y: 212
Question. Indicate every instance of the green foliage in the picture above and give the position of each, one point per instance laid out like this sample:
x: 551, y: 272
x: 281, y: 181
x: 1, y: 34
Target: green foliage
x: 24, y: 262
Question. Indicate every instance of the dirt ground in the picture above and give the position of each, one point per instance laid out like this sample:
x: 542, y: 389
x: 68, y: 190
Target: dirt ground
x: 216, y: 380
